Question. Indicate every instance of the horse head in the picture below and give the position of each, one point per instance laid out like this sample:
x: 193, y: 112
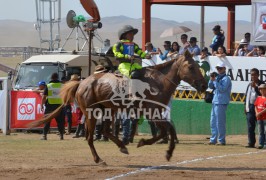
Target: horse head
x: 188, y: 70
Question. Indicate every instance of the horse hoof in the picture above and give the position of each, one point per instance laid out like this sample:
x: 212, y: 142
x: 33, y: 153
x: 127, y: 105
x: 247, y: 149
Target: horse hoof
x: 141, y: 143
x: 124, y: 150
x: 168, y: 156
x: 102, y: 163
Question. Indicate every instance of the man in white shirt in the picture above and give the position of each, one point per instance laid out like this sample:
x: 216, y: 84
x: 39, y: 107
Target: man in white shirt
x: 185, y: 44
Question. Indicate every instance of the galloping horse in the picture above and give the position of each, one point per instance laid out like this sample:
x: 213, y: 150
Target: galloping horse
x: 96, y: 91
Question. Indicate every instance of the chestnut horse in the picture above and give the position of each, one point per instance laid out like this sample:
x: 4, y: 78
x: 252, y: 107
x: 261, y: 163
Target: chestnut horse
x: 159, y: 82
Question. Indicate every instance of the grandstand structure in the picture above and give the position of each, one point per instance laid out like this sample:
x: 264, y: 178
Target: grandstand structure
x: 229, y: 4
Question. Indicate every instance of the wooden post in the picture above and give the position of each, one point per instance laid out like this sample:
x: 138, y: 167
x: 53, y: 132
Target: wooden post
x: 230, y: 29
x: 146, y: 22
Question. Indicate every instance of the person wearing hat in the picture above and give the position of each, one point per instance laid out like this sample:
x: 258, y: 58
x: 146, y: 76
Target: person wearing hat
x: 242, y: 48
x: 260, y: 109
x: 194, y: 48
x: 100, y: 69
x: 218, y: 38
x: 52, y: 101
x: 125, y: 49
x: 221, y: 85
x: 204, y: 53
x: 41, y: 87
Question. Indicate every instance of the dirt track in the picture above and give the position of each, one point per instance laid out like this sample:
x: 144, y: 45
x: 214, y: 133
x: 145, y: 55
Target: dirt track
x: 24, y: 156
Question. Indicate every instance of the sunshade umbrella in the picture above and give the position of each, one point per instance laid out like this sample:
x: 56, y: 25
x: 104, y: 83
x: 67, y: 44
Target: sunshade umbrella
x: 174, y: 31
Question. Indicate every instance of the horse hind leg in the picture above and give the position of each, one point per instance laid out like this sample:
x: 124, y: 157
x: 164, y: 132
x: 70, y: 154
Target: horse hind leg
x: 106, y: 132
x: 90, y: 130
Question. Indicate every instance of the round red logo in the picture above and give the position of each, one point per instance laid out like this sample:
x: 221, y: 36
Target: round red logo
x: 26, y: 108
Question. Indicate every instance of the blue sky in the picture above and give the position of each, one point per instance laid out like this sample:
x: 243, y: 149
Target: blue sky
x: 25, y: 10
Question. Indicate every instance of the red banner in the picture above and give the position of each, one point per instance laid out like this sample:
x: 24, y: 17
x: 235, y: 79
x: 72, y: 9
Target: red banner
x: 26, y: 107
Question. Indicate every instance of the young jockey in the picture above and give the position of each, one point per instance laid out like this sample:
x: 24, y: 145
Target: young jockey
x: 125, y: 49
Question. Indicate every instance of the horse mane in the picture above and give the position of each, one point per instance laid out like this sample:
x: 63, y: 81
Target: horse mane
x: 163, y: 65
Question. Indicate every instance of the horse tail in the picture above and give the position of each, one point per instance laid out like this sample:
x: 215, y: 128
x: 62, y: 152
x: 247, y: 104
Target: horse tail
x: 67, y: 94
x: 47, y: 118
x: 68, y: 91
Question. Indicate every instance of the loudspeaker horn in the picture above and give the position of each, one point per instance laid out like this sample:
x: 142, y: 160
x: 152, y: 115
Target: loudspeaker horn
x: 69, y: 19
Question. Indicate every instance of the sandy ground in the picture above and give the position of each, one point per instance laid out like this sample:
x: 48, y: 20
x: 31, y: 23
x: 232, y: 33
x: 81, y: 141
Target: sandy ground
x: 24, y: 156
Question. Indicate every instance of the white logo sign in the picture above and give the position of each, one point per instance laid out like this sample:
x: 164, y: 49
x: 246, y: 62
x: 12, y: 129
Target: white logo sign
x: 129, y: 95
x: 26, y: 108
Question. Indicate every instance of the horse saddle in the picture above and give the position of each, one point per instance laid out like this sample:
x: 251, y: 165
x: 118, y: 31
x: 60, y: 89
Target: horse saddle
x: 117, y: 73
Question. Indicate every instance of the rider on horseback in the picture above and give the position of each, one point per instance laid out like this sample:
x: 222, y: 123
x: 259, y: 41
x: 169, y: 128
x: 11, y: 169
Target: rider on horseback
x: 125, y: 49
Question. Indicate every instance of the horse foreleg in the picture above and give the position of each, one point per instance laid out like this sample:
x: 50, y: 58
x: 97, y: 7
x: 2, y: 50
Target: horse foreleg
x: 90, y: 129
x: 119, y: 143
x: 172, y: 132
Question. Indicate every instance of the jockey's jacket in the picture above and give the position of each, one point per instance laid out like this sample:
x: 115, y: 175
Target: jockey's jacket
x: 53, y: 93
x: 124, y: 49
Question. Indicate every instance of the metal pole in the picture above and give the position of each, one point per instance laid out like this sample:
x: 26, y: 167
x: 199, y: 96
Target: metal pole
x: 77, y: 38
x: 86, y: 38
x: 90, y: 41
x: 51, y: 27
x: 202, y: 25
x: 59, y: 20
x: 68, y: 37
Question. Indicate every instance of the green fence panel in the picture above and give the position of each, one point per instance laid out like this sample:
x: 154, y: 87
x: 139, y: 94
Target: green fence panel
x: 193, y: 117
